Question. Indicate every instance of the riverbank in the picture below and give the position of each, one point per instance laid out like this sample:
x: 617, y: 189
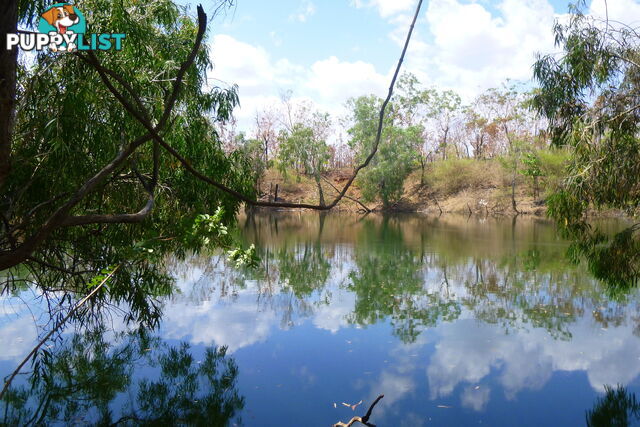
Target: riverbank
x: 488, y: 196
x: 488, y: 193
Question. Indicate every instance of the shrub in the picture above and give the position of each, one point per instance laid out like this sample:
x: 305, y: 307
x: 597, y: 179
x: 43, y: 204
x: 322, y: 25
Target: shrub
x: 454, y: 175
x: 553, y: 163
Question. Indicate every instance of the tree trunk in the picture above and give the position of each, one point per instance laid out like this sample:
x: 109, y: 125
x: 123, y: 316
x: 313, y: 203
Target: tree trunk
x: 422, y: 165
x: 8, y: 62
x: 515, y: 169
x: 320, y: 193
x: 444, y: 144
x: 513, y: 193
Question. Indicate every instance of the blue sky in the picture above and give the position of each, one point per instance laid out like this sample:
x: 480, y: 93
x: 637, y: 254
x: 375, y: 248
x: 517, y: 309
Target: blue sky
x: 326, y: 51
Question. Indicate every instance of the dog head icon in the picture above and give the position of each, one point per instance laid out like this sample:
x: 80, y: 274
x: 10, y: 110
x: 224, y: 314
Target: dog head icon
x: 61, y: 17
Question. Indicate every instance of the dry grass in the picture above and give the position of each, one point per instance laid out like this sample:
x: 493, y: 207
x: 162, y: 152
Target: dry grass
x: 457, y: 184
x: 452, y: 176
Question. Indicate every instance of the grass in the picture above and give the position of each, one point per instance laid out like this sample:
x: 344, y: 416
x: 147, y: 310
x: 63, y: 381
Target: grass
x: 455, y: 175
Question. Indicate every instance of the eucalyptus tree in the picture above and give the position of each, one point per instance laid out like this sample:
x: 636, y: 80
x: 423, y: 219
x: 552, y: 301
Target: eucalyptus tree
x: 304, y: 147
x: 481, y: 133
x: 412, y: 113
x: 430, y: 108
x: 395, y: 160
x: 265, y: 131
x: 589, y: 94
x: 444, y: 108
x: 81, y: 155
x: 253, y: 151
x: 508, y: 111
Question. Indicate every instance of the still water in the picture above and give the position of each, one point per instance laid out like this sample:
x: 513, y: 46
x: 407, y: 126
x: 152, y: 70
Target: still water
x: 457, y: 321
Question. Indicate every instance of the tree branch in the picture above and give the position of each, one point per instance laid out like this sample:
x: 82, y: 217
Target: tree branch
x: 366, y: 209
x: 363, y: 420
x: 111, y: 219
x: 61, y: 216
x: 187, y: 165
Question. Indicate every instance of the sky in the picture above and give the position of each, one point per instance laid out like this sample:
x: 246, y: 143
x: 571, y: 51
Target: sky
x: 327, y: 51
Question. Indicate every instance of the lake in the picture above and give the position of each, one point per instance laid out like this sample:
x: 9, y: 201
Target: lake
x: 455, y: 320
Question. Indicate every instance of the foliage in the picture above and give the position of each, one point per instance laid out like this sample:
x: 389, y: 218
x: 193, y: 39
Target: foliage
x: 617, y: 408
x: 532, y: 169
x: 84, y: 376
x: 388, y: 283
x: 553, y: 164
x: 442, y: 106
x: 68, y: 126
x: 301, y: 149
x: 252, y: 151
x: 304, y: 147
x: 589, y: 95
x: 395, y: 159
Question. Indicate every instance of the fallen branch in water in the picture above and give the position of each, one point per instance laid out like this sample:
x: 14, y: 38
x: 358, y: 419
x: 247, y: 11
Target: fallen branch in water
x: 363, y: 420
x: 437, y: 204
x: 364, y: 207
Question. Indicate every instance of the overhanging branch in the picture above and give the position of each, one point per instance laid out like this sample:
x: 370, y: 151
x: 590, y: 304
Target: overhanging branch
x: 188, y: 166
x: 61, y: 217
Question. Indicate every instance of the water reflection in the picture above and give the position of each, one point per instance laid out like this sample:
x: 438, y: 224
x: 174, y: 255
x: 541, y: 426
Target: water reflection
x: 94, y: 378
x: 455, y: 320
x: 499, y: 301
x: 419, y: 271
x: 618, y: 407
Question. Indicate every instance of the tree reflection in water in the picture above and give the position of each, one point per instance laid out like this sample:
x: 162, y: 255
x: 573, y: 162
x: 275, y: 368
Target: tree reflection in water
x: 94, y: 377
x: 617, y: 408
x: 412, y: 272
x: 419, y: 271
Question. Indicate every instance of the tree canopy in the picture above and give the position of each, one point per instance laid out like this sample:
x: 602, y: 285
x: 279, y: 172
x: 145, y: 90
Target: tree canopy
x: 589, y: 93
x: 82, y: 159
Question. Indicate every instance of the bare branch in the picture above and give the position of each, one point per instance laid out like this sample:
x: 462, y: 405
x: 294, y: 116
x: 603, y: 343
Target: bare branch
x: 363, y: 420
x: 366, y: 209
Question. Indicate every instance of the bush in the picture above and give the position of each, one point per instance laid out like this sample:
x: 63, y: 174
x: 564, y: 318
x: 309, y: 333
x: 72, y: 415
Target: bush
x: 454, y: 175
x: 553, y: 163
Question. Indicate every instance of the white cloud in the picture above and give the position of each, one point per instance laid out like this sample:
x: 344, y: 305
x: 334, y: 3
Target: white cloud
x: 304, y: 12
x: 334, y: 316
x: 470, y: 49
x: 328, y: 83
x: 469, y: 351
x: 475, y: 398
x: 466, y: 46
x: 236, y: 325
x: 627, y: 11
x: 333, y: 81
x: 386, y: 8
x: 17, y: 337
x: 251, y: 67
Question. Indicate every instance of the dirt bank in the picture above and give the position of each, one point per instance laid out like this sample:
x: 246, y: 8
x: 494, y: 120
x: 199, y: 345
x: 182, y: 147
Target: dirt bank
x: 492, y: 199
